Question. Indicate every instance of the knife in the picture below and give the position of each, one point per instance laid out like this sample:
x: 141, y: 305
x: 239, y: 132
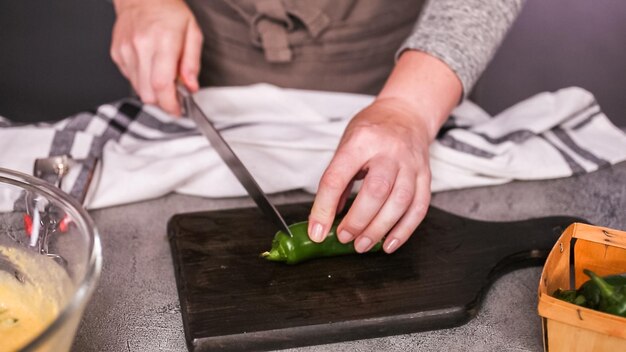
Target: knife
x: 193, y: 111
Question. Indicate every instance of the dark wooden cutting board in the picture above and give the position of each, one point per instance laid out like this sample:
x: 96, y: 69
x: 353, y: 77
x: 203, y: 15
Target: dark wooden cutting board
x: 233, y: 300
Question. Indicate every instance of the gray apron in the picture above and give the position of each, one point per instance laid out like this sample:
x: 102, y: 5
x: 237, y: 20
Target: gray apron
x: 334, y: 45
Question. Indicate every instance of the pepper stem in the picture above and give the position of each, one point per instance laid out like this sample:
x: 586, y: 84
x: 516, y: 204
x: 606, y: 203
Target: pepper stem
x: 272, y: 255
x: 606, y: 290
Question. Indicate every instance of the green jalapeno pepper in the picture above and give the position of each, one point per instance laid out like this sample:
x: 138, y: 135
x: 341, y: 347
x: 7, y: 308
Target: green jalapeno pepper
x: 299, y: 248
x: 607, y: 294
x: 612, y: 298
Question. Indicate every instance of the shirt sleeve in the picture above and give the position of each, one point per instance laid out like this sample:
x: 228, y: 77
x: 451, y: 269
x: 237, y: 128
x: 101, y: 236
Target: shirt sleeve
x: 463, y: 34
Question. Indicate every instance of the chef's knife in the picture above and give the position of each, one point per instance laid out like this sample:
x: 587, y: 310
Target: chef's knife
x: 205, y: 125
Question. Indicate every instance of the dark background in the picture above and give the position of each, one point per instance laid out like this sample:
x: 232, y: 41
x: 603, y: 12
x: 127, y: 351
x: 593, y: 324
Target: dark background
x: 54, y: 56
x: 560, y: 43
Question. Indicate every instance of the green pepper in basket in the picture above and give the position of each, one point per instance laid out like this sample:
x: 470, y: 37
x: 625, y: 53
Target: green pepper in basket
x: 612, y: 298
x: 296, y: 249
x: 591, y: 291
x: 607, y: 294
x: 572, y: 296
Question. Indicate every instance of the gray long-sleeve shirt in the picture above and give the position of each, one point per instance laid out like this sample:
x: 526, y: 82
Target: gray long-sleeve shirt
x: 464, y: 34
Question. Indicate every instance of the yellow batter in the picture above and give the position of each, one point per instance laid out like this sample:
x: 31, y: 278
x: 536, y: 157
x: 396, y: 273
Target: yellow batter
x: 26, y: 308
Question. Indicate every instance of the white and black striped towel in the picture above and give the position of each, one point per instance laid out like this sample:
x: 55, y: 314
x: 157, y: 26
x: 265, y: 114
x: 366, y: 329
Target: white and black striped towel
x: 286, y: 137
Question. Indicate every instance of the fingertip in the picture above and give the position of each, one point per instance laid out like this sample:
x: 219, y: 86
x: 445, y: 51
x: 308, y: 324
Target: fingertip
x: 147, y: 98
x: 344, y: 236
x: 391, y: 245
x: 363, y: 244
x: 177, y: 112
x: 146, y: 94
x: 320, y: 221
x: 316, y: 232
x: 191, y: 79
x: 174, y: 110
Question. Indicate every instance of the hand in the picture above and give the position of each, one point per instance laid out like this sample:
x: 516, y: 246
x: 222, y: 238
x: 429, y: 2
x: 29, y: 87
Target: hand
x: 154, y: 42
x: 387, y: 145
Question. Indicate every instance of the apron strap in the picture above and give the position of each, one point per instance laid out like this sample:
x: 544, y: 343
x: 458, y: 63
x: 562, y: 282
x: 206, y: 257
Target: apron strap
x: 269, y: 25
x: 314, y: 19
x: 272, y: 22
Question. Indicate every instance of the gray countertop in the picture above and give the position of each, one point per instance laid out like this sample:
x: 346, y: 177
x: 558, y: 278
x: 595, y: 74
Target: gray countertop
x: 135, y: 306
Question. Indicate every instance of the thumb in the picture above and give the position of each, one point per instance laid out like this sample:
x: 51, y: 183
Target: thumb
x: 190, y: 60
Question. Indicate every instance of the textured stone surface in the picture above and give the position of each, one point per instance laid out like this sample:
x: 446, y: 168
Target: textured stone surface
x: 135, y: 307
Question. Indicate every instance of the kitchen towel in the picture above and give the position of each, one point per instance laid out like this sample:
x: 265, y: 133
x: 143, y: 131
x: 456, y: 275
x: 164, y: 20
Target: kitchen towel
x: 286, y: 137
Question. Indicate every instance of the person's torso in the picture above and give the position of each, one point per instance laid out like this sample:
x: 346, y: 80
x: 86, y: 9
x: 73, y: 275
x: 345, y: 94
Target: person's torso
x: 334, y: 45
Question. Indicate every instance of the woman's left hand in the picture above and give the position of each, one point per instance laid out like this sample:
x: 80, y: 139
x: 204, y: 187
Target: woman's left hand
x: 387, y: 146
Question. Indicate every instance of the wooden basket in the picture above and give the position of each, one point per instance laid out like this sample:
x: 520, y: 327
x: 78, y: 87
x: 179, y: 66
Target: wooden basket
x: 568, y: 327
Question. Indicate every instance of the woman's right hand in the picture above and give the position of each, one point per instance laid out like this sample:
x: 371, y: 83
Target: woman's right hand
x: 154, y: 42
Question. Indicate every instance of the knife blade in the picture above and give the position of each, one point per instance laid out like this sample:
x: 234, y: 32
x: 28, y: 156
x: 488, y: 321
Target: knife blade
x: 193, y: 111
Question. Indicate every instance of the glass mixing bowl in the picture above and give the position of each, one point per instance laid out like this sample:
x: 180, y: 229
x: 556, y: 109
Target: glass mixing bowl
x: 50, y: 261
